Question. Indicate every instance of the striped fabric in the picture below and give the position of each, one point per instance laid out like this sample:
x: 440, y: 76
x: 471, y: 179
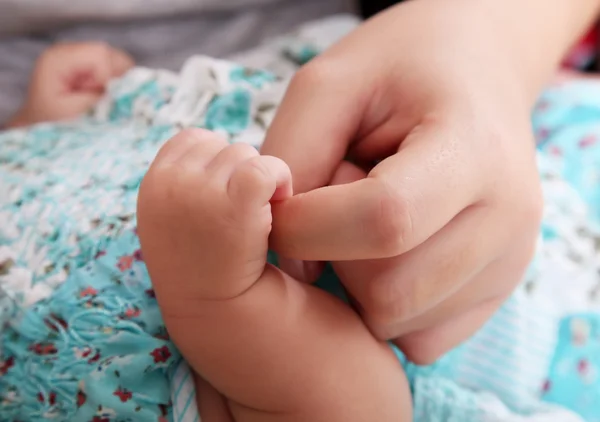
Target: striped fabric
x: 183, y: 395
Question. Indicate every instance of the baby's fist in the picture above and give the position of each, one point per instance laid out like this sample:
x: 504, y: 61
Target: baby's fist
x: 204, y: 214
x: 68, y: 79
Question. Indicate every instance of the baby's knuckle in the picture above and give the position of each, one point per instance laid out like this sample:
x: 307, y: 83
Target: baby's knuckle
x: 167, y: 183
x: 153, y: 190
x: 192, y: 134
x: 173, y: 144
x: 256, y: 171
x: 242, y: 150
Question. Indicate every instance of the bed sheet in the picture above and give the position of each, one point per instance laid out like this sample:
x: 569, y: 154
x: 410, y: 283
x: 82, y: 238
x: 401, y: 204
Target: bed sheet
x: 76, y: 305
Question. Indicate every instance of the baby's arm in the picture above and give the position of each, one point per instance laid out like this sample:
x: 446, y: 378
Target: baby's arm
x: 68, y: 79
x: 277, y: 349
x: 285, y: 351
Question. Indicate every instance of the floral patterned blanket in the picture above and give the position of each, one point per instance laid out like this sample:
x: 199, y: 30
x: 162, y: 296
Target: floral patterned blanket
x: 82, y: 337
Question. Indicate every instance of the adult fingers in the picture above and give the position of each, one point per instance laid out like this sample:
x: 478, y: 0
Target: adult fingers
x: 409, y: 285
x: 309, y: 271
x: 347, y: 173
x: 320, y: 114
x: 429, y: 336
x: 394, y: 309
x: 402, y: 202
x: 426, y: 346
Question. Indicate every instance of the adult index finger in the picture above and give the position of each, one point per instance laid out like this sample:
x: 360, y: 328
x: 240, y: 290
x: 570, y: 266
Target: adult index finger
x: 404, y: 200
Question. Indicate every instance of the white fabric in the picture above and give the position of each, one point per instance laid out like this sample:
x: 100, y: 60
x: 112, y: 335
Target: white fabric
x: 157, y: 33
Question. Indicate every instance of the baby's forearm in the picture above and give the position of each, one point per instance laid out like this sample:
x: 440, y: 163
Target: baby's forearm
x: 212, y: 406
x: 286, y: 352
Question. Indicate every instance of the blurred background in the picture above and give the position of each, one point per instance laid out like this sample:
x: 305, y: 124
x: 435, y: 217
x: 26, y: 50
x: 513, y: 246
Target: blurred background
x: 157, y: 33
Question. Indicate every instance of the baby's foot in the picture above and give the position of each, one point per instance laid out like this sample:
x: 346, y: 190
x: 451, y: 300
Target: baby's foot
x: 205, y: 217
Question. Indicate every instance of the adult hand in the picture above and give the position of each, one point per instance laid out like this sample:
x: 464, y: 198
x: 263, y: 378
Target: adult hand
x: 435, y: 222
x: 68, y: 79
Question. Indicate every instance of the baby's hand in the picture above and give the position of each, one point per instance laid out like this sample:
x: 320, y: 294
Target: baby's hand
x: 278, y: 350
x: 68, y: 79
x: 207, y: 202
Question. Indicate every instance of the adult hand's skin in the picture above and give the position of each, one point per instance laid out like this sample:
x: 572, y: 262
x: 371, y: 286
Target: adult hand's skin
x: 436, y: 236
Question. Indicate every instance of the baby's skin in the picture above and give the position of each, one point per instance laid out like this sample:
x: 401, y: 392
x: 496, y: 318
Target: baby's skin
x: 263, y: 346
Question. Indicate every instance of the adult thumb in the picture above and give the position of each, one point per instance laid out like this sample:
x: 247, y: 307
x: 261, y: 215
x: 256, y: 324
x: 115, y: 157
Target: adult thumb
x: 319, y: 116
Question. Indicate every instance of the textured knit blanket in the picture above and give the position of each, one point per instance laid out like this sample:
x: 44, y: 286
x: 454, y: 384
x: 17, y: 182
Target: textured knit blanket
x: 82, y: 337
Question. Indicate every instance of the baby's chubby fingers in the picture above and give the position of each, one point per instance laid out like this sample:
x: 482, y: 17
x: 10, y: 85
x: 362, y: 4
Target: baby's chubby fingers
x: 259, y: 180
x: 208, y: 200
x: 248, y: 178
x: 207, y: 145
x: 238, y: 169
x: 269, y: 344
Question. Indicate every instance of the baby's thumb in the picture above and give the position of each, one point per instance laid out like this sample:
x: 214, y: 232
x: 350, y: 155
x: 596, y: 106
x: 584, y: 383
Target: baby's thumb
x: 309, y: 271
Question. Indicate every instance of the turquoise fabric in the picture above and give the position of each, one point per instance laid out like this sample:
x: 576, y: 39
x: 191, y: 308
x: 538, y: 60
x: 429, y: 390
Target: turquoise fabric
x: 96, y: 350
x: 82, y: 335
x: 567, y: 125
x: 574, y: 379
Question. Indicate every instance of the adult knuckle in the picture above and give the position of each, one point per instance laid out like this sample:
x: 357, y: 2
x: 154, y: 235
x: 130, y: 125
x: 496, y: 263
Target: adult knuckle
x: 424, y: 350
x: 316, y: 73
x: 388, y: 303
x: 531, y: 218
x: 527, y: 220
x: 533, y: 206
x: 392, y: 222
x: 382, y: 331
